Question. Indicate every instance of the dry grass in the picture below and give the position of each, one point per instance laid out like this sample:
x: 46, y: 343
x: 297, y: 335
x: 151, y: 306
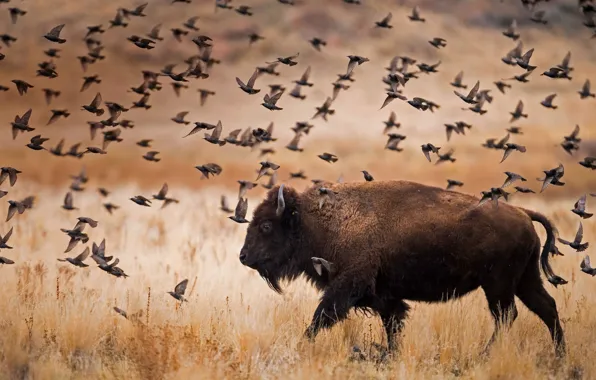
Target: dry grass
x: 57, y: 320
x: 59, y: 323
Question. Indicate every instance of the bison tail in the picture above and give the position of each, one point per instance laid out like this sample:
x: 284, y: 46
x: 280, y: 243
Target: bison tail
x: 549, y: 247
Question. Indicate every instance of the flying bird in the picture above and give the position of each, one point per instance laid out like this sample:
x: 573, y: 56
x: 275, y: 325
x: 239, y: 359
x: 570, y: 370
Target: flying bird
x: 577, y: 241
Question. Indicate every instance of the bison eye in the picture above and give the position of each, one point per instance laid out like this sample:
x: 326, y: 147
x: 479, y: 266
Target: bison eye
x: 266, y: 227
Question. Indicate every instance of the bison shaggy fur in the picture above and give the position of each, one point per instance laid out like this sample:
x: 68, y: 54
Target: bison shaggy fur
x: 394, y: 241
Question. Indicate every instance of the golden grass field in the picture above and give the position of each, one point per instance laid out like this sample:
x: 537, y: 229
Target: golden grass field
x: 57, y: 321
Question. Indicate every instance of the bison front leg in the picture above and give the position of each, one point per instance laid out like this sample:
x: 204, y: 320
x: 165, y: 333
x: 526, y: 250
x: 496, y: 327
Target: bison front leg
x: 341, y: 295
x: 393, y: 315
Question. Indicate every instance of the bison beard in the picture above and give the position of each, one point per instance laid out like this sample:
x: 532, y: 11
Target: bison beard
x: 395, y: 241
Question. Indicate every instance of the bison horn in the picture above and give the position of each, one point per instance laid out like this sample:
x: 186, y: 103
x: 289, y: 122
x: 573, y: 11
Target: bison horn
x: 281, y: 203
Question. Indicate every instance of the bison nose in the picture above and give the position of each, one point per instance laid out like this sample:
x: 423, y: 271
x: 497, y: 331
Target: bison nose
x: 243, y: 256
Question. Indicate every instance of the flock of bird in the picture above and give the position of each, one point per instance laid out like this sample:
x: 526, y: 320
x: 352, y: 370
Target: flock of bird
x: 200, y: 66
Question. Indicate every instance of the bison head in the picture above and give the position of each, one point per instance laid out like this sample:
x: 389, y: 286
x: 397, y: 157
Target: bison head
x: 272, y: 238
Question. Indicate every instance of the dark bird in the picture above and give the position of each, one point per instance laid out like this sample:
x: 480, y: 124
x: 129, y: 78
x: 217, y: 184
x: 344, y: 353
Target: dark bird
x: 151, y: 156
x: 178, y: 33
x: 585, y: 91
x: 512, y: 177
x: 394, y: 93
x: 10, y: 173
x: 214, y: 137
x: 210, y: 168
x: 57, y: 114
x: 367, y: 176
x: 471, y: 97
x: 552, y: 177
x: 577, y: 242
x: 244, y: 10
x: 265, y: 166
x: 303, y: 81
x: 36, y: 142
x: 511, y: 31
x: 317, y: 43
x: 4, y: 240
x: 49, y: 94
x: 78, y: 260
x: 514, y: 130
x: 146, y: 143
x: 510, y: 147
x: 523, y: 78
x: 270, y: 102
x: 22, y: 86
x: 204, y: 94
x: 415, y: 16
x: 518, y: 112
x: 141, y: 201
x: 337, y: 87
x: 493, y: 195
x: 68, y: 202
x: 589, y: 162
x: 244, y: 187
x: 524, y: 61
x: 223, y: 205
x: 501, y: 86
x: 240, y: 211
x: 324, y: 110
x: 13, y: 207
x: 524, y: 190
x: 438, y: 42
x: 249, y: 86
x: 384, y: 23
x: 95, y: 105
x: 586, y: 267
x: 574, y: 136
x: 191, y: 23
x: 143, y: 43
x: 253, y: 38
x: 293, y: 145
x: 355, y: 60
x: 331, y: 158
x: 179, y: 290
x: 457, y: 81
x: 290, y: 61
x: 428, y: 148
x: 4, y: 260
x: 110, y: 207
x: 446, y: 157
x: 548, y: 102
x: 21, y: 124
x: 322, y: 267
x: 579, y: 208
x: 54, y: 34
x: 179, y: 118
x: 452, y: 183
x: 272, y: 181
x: 390, y: 123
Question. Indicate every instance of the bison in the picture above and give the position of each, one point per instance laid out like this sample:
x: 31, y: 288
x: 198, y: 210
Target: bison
x: 394, y: 241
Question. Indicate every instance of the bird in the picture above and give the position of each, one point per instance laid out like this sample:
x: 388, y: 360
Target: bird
x: 577, y: 241
x: 586, y: 267
x: 317, y: 43
x: 331, y: 158
x: 293, y: 144
x: 54, y: 34
x: 501, y: 86
x: 589, y: 162
x: 4, y: 240
x: 524, y: 190
x: 265, y: 166
x: 428, y: 148
x: 209, y: 168
x: 355, y: 60
x: 141, y: 200
x: 324, y: 110
x: 457, y: 81
x: 552, y: 177
x: 10, y: 173
x: 452, y: 183
x: 94, y: 106
x: 585, y: 91
x: 548, y: 102
x: 78, y: 260
x: 322, y: 266
x: 512, y: 177
x: 438, y: 42
x: 249, y: 86
x: 367, y: 176
x: 415, y: 16
x: 518, y: 112
x: 326, y: 196
x: 179, y: 118
x: 579, y: 208
x: 68, y: 202
x: 270, y: 102
x: 240, y: 211
x: 511, y: 31
x: 36, y: 142
x: 510, y: 147
x: 471, y: 97
x: 384, y: 23
x: 22, y: 86
x: 179, y: 290
x: 289, y: 61
x: 214, y: 137
x: 303, y: 81
x: 151, y: 156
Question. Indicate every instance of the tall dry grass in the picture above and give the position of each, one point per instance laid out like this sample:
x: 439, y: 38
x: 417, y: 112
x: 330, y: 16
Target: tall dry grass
x: 57, y: 320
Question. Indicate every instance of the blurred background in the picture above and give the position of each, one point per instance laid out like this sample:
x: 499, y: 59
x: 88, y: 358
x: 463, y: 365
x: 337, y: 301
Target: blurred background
x: 475, y: 46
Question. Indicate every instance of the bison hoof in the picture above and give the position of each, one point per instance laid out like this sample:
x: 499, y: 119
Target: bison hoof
x: 310, y: 334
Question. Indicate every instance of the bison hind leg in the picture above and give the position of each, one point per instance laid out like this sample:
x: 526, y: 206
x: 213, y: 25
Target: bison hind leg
x: 532, y: 293
x: 501, y: 303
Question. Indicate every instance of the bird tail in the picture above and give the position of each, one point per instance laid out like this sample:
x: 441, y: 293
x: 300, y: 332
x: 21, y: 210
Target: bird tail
x: 549, y: 246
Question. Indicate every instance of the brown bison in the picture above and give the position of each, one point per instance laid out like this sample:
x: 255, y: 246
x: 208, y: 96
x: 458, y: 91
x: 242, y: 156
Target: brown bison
x: 394, y: 241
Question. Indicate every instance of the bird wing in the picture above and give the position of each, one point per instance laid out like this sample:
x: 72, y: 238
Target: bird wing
x: 181, y: 287
x: 217, y: 130
x: 252, y: 79
x: 7, y: 236
x: 585, y: 264
x: 25, y: 118
x: 68, y: 199
x: 83, y: 255
x: 566, y: 59
x: 241, y: 208
x: 387, y: 18
x: 55, y: 32
x: 575, y: 132
x: 580, y: 234
x: 306, y: 74
x: 164, y: 191
x: 96, y: 101
x: 549, y: 99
